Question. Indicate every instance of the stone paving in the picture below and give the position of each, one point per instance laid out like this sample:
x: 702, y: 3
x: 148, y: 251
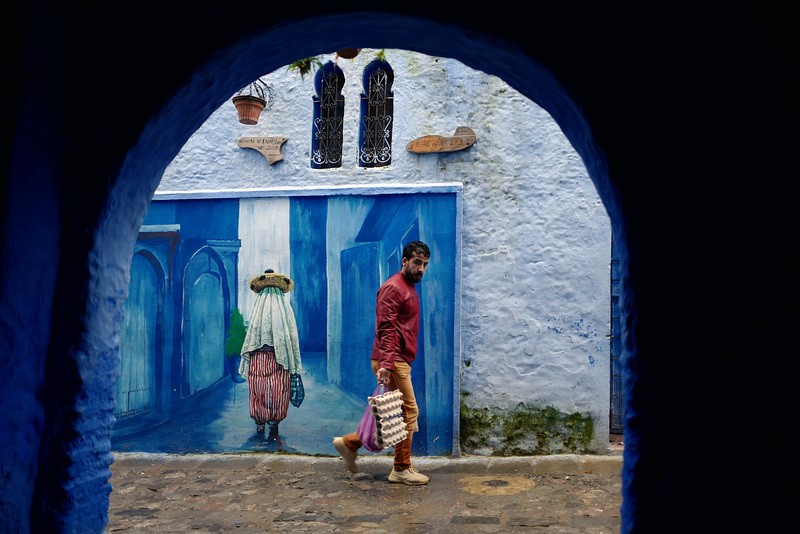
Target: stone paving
x: 256, y: 493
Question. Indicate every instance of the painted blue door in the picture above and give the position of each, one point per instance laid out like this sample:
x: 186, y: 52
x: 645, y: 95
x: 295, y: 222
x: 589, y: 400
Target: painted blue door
x: 360, y: 283
x: 203, y: 323
x: 392, y: 222
x: 136, y: 387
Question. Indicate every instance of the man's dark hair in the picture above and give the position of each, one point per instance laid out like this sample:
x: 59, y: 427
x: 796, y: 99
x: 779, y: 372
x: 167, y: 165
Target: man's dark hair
x: 417, y: 247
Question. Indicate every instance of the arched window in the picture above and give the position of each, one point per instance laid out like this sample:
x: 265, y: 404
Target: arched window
x: 326, y: 142
x: 377, y: 109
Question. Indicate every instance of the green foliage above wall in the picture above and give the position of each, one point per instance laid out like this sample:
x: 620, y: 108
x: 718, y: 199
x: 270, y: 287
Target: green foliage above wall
x: 236, y: 334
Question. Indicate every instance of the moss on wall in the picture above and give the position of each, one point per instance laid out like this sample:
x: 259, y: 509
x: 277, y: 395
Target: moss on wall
x: 525, y: 430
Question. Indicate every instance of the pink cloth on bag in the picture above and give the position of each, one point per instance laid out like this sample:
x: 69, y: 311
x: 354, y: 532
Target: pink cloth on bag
x: 366, y: 428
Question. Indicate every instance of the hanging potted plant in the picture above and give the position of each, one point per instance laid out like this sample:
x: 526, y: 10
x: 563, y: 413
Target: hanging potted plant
x: 305, y: 66
x: 250, y: 105
x: 347, y: 53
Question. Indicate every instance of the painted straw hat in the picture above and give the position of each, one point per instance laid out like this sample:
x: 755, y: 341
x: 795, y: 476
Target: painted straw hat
x: 271, y: 279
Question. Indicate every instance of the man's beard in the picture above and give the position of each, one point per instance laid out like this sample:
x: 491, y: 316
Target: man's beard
x: 412, y: 278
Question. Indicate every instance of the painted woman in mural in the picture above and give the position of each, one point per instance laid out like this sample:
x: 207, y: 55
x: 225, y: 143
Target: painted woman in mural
x: 271, y: 353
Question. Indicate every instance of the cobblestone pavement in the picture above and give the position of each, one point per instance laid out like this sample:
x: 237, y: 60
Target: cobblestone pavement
x: 256, y: 493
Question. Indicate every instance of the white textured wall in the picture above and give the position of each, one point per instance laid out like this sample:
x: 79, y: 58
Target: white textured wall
x: 536, y: 237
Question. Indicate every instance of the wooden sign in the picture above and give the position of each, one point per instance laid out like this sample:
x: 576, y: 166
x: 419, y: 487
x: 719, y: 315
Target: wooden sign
x: 270, y: 147
x: 463, y: 138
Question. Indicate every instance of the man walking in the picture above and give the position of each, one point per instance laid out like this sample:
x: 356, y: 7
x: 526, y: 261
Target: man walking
x: 394, y: 349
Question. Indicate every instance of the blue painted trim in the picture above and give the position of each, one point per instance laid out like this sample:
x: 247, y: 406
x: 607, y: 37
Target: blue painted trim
x: 457, y: 328
x: 159, y: 228
x: 378, y: 189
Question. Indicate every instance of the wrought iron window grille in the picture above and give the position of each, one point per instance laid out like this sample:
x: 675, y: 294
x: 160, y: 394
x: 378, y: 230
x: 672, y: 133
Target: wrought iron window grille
x: 377, y: 114
x: 328, y: 125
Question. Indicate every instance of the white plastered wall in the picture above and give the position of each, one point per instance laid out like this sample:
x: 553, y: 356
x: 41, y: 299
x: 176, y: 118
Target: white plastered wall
x: 535, y: 254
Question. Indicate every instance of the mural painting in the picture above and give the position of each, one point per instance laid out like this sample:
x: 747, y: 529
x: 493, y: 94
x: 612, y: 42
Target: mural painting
x: 183, y: 386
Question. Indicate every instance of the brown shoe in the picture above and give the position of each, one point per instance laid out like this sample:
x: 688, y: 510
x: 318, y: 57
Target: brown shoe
x: 410, y: 477
x: 348, y: 456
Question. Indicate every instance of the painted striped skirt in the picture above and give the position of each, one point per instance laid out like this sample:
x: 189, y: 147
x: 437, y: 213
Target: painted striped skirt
x: 269, y: 387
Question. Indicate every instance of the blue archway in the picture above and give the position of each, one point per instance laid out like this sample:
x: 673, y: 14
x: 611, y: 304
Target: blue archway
x: 236, y: 65
x: 622, y: 86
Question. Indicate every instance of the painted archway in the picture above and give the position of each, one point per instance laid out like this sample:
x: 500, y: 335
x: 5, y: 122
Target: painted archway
x: 206, y: 302
x: 237, y: 73
x: 140, y: 386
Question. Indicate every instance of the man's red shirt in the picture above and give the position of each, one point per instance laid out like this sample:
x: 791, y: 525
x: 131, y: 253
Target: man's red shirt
x: 396, y: 322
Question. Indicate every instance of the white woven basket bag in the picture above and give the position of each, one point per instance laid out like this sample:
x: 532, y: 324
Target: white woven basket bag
x: 387, y: 408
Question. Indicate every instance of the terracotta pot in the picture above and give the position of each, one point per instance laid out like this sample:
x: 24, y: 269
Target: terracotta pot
x: 249, y: 108
x: 348, y: 53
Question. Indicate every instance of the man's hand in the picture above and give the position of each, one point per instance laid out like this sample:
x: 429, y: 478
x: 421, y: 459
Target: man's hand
x: 384, y: 376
